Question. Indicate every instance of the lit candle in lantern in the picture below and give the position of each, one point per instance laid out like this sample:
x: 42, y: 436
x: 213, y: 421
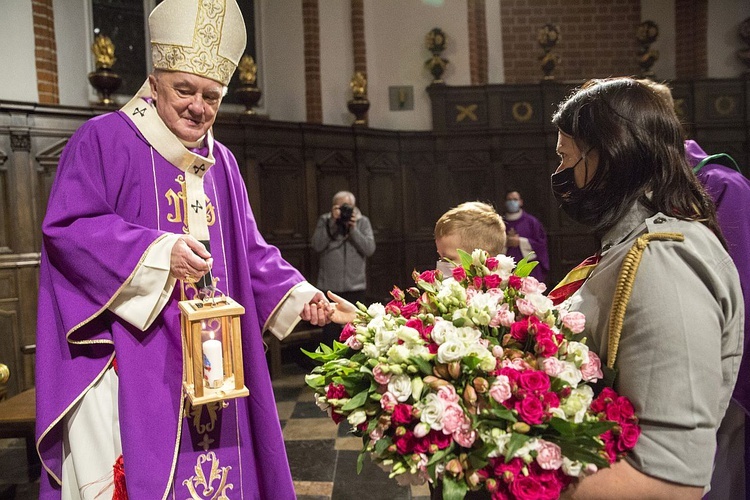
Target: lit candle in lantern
x: 213, y: 362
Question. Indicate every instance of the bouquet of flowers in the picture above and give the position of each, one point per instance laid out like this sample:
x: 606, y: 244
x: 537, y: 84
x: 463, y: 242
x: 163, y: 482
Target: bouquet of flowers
x: 476, y: 383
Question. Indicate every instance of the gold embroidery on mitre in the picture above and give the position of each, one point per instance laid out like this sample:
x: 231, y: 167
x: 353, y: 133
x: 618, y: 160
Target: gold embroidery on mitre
x: 181, y: 206
x: 216, y: 473
x: 202, y: 57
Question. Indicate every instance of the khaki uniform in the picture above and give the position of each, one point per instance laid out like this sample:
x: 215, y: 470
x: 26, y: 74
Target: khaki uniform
x: 680, y: 345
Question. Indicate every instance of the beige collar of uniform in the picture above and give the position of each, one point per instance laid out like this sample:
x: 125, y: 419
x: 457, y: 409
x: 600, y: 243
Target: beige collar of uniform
x: 143, y: 114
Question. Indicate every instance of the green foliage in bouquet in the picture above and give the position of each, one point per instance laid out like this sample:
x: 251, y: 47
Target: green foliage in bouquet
x: 476, y: 383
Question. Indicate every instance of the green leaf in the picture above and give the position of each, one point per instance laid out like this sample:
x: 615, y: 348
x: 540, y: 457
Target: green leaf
x: 356, y: 401
x: 437, y: 457
x: 524, y: 268
x: 423, y: 365
x: 360, y: 461
x: 454, y: 490
x: 466, y: 259
x: 516, y: 442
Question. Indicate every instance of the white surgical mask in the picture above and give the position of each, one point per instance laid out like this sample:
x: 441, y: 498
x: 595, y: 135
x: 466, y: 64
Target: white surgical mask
x: 445, y: 267
x: 512, y: 206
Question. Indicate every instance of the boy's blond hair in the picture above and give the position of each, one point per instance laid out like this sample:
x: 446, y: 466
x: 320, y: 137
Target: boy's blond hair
x: 476, y: 224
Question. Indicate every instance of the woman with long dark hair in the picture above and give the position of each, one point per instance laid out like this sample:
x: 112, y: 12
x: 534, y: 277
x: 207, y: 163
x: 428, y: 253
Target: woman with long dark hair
x: 623, y: 173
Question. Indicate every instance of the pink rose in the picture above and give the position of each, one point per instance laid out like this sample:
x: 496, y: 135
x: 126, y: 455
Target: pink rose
x: 592, y: 371
x: 353, y: 343
x: 459, y: 273
x: 393, y: 307
x: 465, y: 435
x: 492, y: 281
x: 507, y: 472
x: 503, y: 317
x: 605, y: 397
x: 388, y: 402
x: 491, y: 263
x: 402, y: 414
x: 525, y: 307
x: 380, y: 377
x: 552, y: 366
x: 527, y: 488
x: 478, y: 282
x: 534, y: 381
x: 545, y: 346
x: 439, y: 440
x: 531, y: 410
x: 447, y: 394
x: 531, y: 285
x: 405, y: 443
x: 376, y: 434
x: 574, y: 321
x: 549, y: 455
x: 497, y: 351
x: 398, y: 294
x: 501, y: 390
x: 453, y: 418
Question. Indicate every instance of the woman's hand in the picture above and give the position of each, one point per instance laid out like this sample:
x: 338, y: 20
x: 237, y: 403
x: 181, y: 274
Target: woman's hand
x: 341, y: 311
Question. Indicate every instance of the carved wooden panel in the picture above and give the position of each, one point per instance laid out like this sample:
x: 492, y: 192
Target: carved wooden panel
x: 5, y: 212
x: 282, y: 183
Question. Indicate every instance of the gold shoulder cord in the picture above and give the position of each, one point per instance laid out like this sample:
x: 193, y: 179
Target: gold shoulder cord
x: 624, y: 288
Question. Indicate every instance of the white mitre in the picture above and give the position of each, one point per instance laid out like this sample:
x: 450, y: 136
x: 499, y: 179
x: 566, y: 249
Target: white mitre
x: 202, y: 37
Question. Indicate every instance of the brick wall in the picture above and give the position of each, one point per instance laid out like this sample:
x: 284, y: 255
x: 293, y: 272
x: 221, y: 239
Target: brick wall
x: 477, y: 41
x: 46, y: 52
x: 691, y: 59
x: 311, y: 28
x: 597, y: 38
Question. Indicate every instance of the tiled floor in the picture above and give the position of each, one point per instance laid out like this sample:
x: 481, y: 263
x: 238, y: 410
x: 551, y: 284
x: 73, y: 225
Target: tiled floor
x: 322, y: 457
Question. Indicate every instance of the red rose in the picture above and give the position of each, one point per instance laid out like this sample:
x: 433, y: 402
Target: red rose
x: 531, y: 410
x: 347, y: 332
x: 492, y: 281
x: 405, y: 443
x: 401, y: 414
x: 409, y: 310
x: 534, y: 380
x: 550, y: 400
x: 519, y: 331
x: 628, y: 437
x: 527, y: 488
x: 398, y: 294
x: 459, y: 273
x: 336, y: 391
x: 491, y: 263
x: 422, y: 445
x: 605, y: 397
x: 507, y: 472
x: 439, y: 439
x: 515, y: 282
x: 477, y: 282
x: 416, y: 324
x: 545, y: 346
x: 393, y: 307
x: 336, y: 417
x: 428, y: 276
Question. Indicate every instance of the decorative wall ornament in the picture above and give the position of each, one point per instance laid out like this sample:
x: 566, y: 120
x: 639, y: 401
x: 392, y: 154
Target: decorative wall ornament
x: 744, y: 32
x: 358, y: 104
x: 548, y: 36
x: 646, y: 34
x: 436, y: 42
x: 248, y: 92
x: 522, y: 111
x: 20, y: 141
x: 104, y: 80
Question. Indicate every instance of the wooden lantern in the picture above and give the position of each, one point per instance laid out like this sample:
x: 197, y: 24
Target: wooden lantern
x: 212, y: 349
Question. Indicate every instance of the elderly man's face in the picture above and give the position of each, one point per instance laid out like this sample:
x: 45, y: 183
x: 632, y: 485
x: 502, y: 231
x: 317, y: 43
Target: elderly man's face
x: 186, y: 103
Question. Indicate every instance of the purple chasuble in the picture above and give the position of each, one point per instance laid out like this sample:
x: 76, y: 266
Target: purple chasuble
x: 730, y: 191
x: 528, y: 226
x: 112, y: 198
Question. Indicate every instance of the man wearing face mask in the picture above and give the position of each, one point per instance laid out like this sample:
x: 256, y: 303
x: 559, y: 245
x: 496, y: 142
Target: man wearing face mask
x: 526, y: 236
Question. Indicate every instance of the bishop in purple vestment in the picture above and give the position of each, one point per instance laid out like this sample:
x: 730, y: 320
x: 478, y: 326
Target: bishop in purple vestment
x: 144, y: 197
x: 730, y: 191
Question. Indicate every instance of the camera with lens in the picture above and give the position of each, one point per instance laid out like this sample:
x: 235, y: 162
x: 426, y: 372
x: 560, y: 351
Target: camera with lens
x: 345, y: 215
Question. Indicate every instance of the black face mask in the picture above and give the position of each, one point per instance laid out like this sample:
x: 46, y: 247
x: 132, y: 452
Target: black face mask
x: 574, y: 201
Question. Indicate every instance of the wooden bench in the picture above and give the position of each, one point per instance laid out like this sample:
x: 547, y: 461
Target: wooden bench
x: 17, y: 420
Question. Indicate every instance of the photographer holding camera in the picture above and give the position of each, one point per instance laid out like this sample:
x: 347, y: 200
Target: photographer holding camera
x: 344, y: 240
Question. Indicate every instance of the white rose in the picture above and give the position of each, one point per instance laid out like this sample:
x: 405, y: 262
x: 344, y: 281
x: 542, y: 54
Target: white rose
x: 408, y: 335
x: 400, y: 387
x: 441, y: 330
x: 383, y: 339
x: 570, y: 374
x: 432, y: 411
x: 578, y: 402
x: 356, y: 417
x: 578, y: 353
x: 571, y: 468
x: 370, y: 351
x: 541, y: 303
x: 376, y: 309
x: 398, y: 353
x: 505, y: 266
x: 467, y: 335
x: 451, y: 350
